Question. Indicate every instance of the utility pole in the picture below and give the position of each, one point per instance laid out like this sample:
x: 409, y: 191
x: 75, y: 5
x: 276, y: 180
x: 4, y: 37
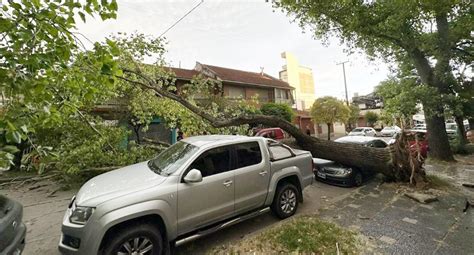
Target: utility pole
x: 345, y: 86
x: 345, y: 83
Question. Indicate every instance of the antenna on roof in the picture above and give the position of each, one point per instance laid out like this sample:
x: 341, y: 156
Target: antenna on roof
x: 261, y: 70
x: 180, y: 64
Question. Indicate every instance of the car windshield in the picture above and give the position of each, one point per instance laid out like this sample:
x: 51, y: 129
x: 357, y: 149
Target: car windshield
x: 358, y: 130
x: 168, y: 161
x: 389, y: 128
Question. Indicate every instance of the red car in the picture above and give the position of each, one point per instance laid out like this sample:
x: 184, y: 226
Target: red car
x: 273, y: 133
x: 422, y: 137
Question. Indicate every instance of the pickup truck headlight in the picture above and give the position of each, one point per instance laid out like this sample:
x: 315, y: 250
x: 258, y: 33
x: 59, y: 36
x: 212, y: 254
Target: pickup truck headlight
x: 80, y: 215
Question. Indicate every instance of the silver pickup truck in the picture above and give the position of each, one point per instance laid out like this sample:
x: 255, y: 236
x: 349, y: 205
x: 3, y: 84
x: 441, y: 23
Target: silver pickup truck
x: 197, y: 186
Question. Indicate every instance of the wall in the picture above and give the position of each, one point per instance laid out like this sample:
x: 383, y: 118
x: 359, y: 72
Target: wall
x: 301, y: 78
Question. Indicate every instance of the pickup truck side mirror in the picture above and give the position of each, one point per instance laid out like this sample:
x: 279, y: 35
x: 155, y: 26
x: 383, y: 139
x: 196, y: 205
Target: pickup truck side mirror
x: 193, y: 176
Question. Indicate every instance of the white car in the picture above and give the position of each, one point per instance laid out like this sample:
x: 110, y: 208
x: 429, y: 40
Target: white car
x: 363, y: 131
x: 419, y: 127
x: 390, y: 131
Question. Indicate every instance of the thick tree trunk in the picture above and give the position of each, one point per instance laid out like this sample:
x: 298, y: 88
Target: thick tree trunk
x: 461, y: 132
x: 438, y: 138
x: 329, y: 131
x: 471, y: 123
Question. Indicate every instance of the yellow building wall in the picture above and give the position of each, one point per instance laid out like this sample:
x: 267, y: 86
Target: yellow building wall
x: 301, y: 78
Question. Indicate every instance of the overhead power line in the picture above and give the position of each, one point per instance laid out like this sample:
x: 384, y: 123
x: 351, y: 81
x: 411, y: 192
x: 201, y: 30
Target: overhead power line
x: 184, y: 16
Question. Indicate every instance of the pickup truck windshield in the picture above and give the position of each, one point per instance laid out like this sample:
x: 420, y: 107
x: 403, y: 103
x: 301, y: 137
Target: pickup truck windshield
x: 170, y: 159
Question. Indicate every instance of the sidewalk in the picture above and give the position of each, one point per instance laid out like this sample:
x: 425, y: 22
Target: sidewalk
x: 396, y: 224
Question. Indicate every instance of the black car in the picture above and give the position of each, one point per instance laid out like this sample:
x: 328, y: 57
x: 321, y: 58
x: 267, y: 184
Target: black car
x: 348, y: 176
x: 12, y: 229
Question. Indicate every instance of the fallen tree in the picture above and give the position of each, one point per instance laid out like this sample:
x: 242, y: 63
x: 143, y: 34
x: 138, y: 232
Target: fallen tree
x: 397, y: 163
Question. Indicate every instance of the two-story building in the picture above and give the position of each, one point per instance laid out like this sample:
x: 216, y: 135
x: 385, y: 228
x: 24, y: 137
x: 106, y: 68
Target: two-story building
x: 238, y: 84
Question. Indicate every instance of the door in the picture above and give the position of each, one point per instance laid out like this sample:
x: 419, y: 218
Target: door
x: 210, y: 200
x: 252, y: 177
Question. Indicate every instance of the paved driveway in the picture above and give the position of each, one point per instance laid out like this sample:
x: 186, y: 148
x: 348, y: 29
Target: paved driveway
x: 43, y: 213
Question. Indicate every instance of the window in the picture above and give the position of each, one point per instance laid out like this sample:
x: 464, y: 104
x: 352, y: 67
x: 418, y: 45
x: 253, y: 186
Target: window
x: 236, y: 92
x: 172, y: 158
x: 279, y: 152
x: 248, y: 154
x: 213, y: 161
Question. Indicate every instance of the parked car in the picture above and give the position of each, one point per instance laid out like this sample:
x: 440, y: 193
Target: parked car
x: 451, y: 129
x: 390, y: 131
x: 422, y: 137
x: 273, y: 133
x: 342, y: 175
x: 363, y: 131
x: 12, y: 229
x: 419, y: 127
x: 412, y: 136
x: 197, y: 186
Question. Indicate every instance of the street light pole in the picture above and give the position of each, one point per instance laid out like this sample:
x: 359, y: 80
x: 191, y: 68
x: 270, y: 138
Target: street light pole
x: 345, y: 82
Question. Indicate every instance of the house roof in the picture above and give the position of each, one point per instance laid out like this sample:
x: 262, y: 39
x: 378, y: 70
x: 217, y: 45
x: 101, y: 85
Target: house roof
x: 234, y: 76
x: 252, y: 78
x: 187, y: 74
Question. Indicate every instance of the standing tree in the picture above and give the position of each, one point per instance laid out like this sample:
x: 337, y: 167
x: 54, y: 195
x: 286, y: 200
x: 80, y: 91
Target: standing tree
x: 283, y: 111
x: 427, y: 34
x: 329, y: 110
x: 353, y: 115
x: 400, y: 97
x: 372, y: 118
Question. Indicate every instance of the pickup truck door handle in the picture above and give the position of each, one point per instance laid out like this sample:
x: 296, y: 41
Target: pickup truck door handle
x: 263, y: 173
x: 227, y: 183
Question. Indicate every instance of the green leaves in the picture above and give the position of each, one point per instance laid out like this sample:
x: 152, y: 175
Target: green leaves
x: 329, y: 110
x: 283, y: 111
x: 37, y: 78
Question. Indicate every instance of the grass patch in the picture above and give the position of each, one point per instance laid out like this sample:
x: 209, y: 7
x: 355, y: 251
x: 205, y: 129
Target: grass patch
x: 306, y: 235
x: 437, y: 182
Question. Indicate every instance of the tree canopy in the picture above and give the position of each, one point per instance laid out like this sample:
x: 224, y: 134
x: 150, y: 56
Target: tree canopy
x: 371, y: 117
x: 283, y: 111
x: 329, y: 110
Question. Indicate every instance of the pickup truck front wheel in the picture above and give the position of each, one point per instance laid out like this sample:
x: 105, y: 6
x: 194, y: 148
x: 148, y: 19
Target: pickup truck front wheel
x: 285, y: 202
x: 137, y: 239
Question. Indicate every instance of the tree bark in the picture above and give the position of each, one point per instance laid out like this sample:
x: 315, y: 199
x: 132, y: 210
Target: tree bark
x: 396, y: 162
x: 438, y: 138
x: 461, y: 132
x: 435, y: 122
x: 329, y: 131
x: 471, y: 123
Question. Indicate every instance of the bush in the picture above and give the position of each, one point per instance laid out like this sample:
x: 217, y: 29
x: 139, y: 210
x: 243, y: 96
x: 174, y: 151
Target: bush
x: 76, y: 147
x: 283, y: 111
x: 456, y: 146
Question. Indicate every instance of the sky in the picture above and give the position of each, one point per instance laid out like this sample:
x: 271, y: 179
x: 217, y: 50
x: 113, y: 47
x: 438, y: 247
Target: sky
x: 240, y: 34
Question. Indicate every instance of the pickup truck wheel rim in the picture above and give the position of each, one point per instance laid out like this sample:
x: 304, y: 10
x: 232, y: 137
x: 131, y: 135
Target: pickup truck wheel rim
x: 136, y: 246
x: 288, y: 201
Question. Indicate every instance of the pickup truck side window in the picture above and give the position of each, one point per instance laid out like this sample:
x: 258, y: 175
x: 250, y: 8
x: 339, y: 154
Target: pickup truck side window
x: 248, y: 154
x: 279, y: 152
x: 213, y: 161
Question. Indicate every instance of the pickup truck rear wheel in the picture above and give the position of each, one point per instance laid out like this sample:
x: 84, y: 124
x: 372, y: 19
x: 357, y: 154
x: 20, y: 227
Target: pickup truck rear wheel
x: 136, y: 239
x: 285, y: 202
